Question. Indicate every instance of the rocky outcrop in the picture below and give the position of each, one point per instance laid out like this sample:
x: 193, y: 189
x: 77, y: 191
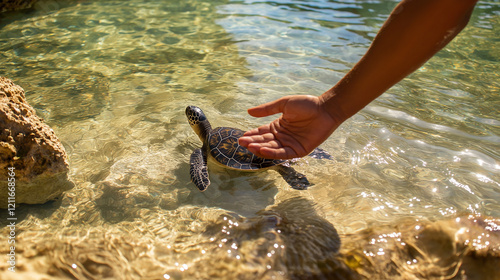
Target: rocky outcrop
x: 8, y: 5
x: 31, y: 148
x: 42, y: 5
x: 463, y: 247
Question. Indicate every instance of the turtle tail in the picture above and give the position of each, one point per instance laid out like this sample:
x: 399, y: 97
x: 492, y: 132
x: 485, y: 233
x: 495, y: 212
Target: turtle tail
x: 295, y: 179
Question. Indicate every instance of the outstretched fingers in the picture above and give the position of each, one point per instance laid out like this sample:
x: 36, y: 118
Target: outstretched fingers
x: 302, y: 127
x: 268, y: 109
x: 265, y: 129
x: 272, y: 153
x: 257, y: 140
x: 265, y: 144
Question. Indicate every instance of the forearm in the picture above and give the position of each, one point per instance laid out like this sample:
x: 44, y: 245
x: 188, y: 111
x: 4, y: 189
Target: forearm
x: 412, y: 34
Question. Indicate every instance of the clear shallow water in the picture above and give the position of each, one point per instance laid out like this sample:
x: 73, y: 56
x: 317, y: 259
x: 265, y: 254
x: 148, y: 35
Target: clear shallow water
x: 113, y: 80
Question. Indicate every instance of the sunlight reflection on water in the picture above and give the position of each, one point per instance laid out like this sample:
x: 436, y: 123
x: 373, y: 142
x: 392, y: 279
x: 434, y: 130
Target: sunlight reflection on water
x: 113, y: 81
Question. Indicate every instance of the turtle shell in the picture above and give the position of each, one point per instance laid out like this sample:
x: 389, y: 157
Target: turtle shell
x: 223, y: 146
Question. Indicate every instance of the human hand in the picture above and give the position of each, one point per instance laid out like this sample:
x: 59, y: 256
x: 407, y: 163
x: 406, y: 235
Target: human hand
x: 304, y: 124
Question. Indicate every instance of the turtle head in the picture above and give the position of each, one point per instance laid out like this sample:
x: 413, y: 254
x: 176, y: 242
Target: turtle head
x: 198, y: 121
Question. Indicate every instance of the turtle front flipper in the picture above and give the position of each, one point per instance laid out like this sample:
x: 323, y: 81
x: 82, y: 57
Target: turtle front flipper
x: 295, y: 179
x: 199, y: 170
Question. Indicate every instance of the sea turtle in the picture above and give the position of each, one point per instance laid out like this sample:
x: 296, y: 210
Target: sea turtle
x: 221, y: 144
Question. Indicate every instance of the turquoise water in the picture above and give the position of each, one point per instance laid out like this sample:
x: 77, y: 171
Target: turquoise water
x: 112, y: 78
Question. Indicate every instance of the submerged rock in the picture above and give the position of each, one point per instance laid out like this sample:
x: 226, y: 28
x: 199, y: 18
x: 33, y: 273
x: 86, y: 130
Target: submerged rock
x: 288, y: 240
x: 463, y: 247
x: 9, y: 5
x: 43, y: 5
x: 31, y: 148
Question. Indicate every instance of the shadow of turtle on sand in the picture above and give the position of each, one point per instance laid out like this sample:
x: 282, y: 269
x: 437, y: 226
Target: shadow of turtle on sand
x: 289, y: 238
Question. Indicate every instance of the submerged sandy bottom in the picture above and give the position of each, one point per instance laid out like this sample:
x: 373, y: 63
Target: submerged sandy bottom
x: 409, y: 194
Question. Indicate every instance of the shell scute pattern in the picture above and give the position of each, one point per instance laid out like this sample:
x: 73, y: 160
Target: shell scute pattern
x: 226, y: 132
x: 213, y: 139
x: 243, y: 155
x: 224, y: 147
x: 234, y: 164
x: 219, y: 156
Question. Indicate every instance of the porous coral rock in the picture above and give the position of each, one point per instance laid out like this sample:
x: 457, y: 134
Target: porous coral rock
x: 31, y: 148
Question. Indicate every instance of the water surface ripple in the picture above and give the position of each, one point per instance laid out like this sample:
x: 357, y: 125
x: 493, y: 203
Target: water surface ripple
x: 412, y: 190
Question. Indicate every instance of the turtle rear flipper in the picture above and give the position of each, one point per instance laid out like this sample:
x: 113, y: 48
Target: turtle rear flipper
x: 295, y: 179
x: 320, y: 154
x: 199, y: 170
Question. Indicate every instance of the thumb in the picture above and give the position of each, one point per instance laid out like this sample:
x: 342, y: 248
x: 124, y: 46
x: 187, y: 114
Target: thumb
x: 268, y: 109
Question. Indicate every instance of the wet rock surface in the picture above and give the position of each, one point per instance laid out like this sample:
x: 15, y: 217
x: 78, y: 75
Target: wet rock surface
x: 8, y: 5
x: 455, y: 248
x: 31, y: 147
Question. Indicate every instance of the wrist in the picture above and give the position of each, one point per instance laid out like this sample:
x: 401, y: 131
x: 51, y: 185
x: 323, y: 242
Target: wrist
x: 329, y: 103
